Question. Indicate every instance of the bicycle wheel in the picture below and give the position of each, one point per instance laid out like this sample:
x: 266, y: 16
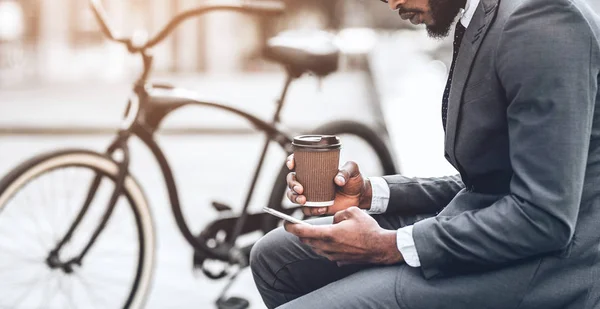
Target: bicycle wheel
x: 39, y: 200
x: 346, y: 130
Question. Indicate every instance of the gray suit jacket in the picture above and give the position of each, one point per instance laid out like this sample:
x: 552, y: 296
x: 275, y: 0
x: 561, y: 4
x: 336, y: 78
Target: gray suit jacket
x: 520, y: 226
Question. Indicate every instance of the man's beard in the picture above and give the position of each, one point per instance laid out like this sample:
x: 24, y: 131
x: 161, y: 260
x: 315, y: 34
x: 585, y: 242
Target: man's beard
x: 443, y: 13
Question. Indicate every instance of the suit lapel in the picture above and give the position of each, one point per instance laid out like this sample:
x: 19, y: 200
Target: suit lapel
x: 476, y: 31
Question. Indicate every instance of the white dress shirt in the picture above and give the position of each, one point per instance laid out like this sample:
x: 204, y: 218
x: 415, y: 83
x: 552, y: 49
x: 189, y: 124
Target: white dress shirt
x: 381, y: 190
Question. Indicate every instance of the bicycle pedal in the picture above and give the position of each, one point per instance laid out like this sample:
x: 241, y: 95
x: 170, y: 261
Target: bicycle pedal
x: 220, y: 207
x: 215, y: 269
x: 233, y: 303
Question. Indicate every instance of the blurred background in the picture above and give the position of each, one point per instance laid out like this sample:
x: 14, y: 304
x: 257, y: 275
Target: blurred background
x: 62, y: 84
x: 60, y: 41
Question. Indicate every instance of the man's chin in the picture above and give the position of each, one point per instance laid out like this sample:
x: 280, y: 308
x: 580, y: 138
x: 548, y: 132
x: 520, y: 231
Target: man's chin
x: 436, y: 32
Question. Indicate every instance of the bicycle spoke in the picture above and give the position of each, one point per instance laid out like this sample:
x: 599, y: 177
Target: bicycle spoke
x: 70, y: 300
x: 61, y: 212
x: 70, y: 190
x: 37, y: 224
x: 104, y: 275
x: 40, y: 206
x: 24, y: 229
x: 23, y: 296
x: 47, y: 296
x: 6, y: 267
x: 60, y: 291
x: 105, y: 258
x: 26, y: 282
x: 60, y: 282
x: 22, y: 260
x: 5, y: 249
x: 50, y: 207
x: 8, y: 216
x: 10, y: 272
x: 25, y: 242
x: 53, y: 204
x: 105, y: 287
x: 71, y: 209
x: 89, y: 291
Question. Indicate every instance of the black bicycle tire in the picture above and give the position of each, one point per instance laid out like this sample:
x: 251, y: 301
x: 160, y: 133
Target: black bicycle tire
x: 32, y: 163
x: 339, y: 127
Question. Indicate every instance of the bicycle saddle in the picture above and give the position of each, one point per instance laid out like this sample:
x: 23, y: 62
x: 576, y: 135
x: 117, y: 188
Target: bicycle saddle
x: 304, y: 51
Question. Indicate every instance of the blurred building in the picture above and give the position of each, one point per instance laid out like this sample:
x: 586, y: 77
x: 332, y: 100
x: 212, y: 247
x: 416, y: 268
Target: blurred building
x: 62, y: 40
x: 59, y: 40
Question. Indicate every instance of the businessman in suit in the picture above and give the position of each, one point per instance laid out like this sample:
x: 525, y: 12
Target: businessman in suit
x: 517, y: 228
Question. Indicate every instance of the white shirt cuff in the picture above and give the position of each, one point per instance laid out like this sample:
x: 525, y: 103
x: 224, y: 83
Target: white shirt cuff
x: 406, y: 246
x: 381, y: 195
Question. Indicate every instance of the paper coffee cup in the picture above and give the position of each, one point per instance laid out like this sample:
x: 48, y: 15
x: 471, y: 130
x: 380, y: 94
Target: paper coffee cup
x: 317, y: 160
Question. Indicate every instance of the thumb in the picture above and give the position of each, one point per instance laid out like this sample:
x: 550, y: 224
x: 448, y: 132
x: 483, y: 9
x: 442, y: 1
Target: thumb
x: 348, y: 171
x: 341, y: 215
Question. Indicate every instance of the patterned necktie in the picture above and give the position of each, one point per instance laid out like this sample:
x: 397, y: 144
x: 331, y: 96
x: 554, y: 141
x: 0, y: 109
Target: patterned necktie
x: 458, y: 36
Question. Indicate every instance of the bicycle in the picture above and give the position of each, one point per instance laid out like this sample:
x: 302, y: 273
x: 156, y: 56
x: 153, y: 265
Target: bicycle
x: 108, y: 184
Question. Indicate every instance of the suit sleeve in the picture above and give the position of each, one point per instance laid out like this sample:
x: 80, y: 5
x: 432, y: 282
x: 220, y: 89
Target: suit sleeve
x: 414, y: 196
x: 547, y: 62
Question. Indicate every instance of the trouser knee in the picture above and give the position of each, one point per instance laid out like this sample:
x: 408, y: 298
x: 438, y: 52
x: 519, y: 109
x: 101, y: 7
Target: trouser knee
x: 264, y: 252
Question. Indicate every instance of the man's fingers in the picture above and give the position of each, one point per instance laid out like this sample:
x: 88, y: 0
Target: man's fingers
x: 306, y: 211
x: 354, y: 211
x: 317, y: 243
x: 289, y: 227
x: 321, y: 232
x: 290, y: 162
x: 346, y: 214
x: 291, y: 196
x: 293, y: 184
x: 313, y: 211
x: 318, y: 247
x: 349, y: 170
x: 301, y: 199
x: 340, y: 216
x: 295, y: 198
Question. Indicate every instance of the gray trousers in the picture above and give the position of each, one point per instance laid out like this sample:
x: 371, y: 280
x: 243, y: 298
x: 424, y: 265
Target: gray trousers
x: 288, y: 274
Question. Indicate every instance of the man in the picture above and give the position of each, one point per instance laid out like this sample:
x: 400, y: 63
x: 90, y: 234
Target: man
x: 518, y: 228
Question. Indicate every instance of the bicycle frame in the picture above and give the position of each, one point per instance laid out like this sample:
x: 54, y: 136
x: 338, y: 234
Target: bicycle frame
x: 148, y: 105
x: 158, y: 103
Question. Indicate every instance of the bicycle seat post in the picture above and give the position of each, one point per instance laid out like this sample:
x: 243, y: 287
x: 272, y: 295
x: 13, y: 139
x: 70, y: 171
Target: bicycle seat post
x: 276, y: 118
x: 147, y: 59
x: 281, y: 101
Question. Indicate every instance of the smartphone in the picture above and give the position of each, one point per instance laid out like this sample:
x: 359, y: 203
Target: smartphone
x: 284, y: 216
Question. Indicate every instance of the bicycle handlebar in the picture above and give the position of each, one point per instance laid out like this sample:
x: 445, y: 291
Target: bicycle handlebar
x: 100, y: 15
x: 256, y: 7
x: 244, y: 6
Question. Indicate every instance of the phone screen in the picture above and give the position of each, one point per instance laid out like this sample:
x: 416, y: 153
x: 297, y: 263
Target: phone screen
x: 284, y: 216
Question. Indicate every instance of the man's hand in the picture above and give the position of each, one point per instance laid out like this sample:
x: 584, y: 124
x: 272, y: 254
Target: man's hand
x: 354, y: 238
x: 352, y: 190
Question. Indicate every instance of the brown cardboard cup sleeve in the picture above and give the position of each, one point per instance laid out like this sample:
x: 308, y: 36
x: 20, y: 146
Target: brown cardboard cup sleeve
x: 317, y: 163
